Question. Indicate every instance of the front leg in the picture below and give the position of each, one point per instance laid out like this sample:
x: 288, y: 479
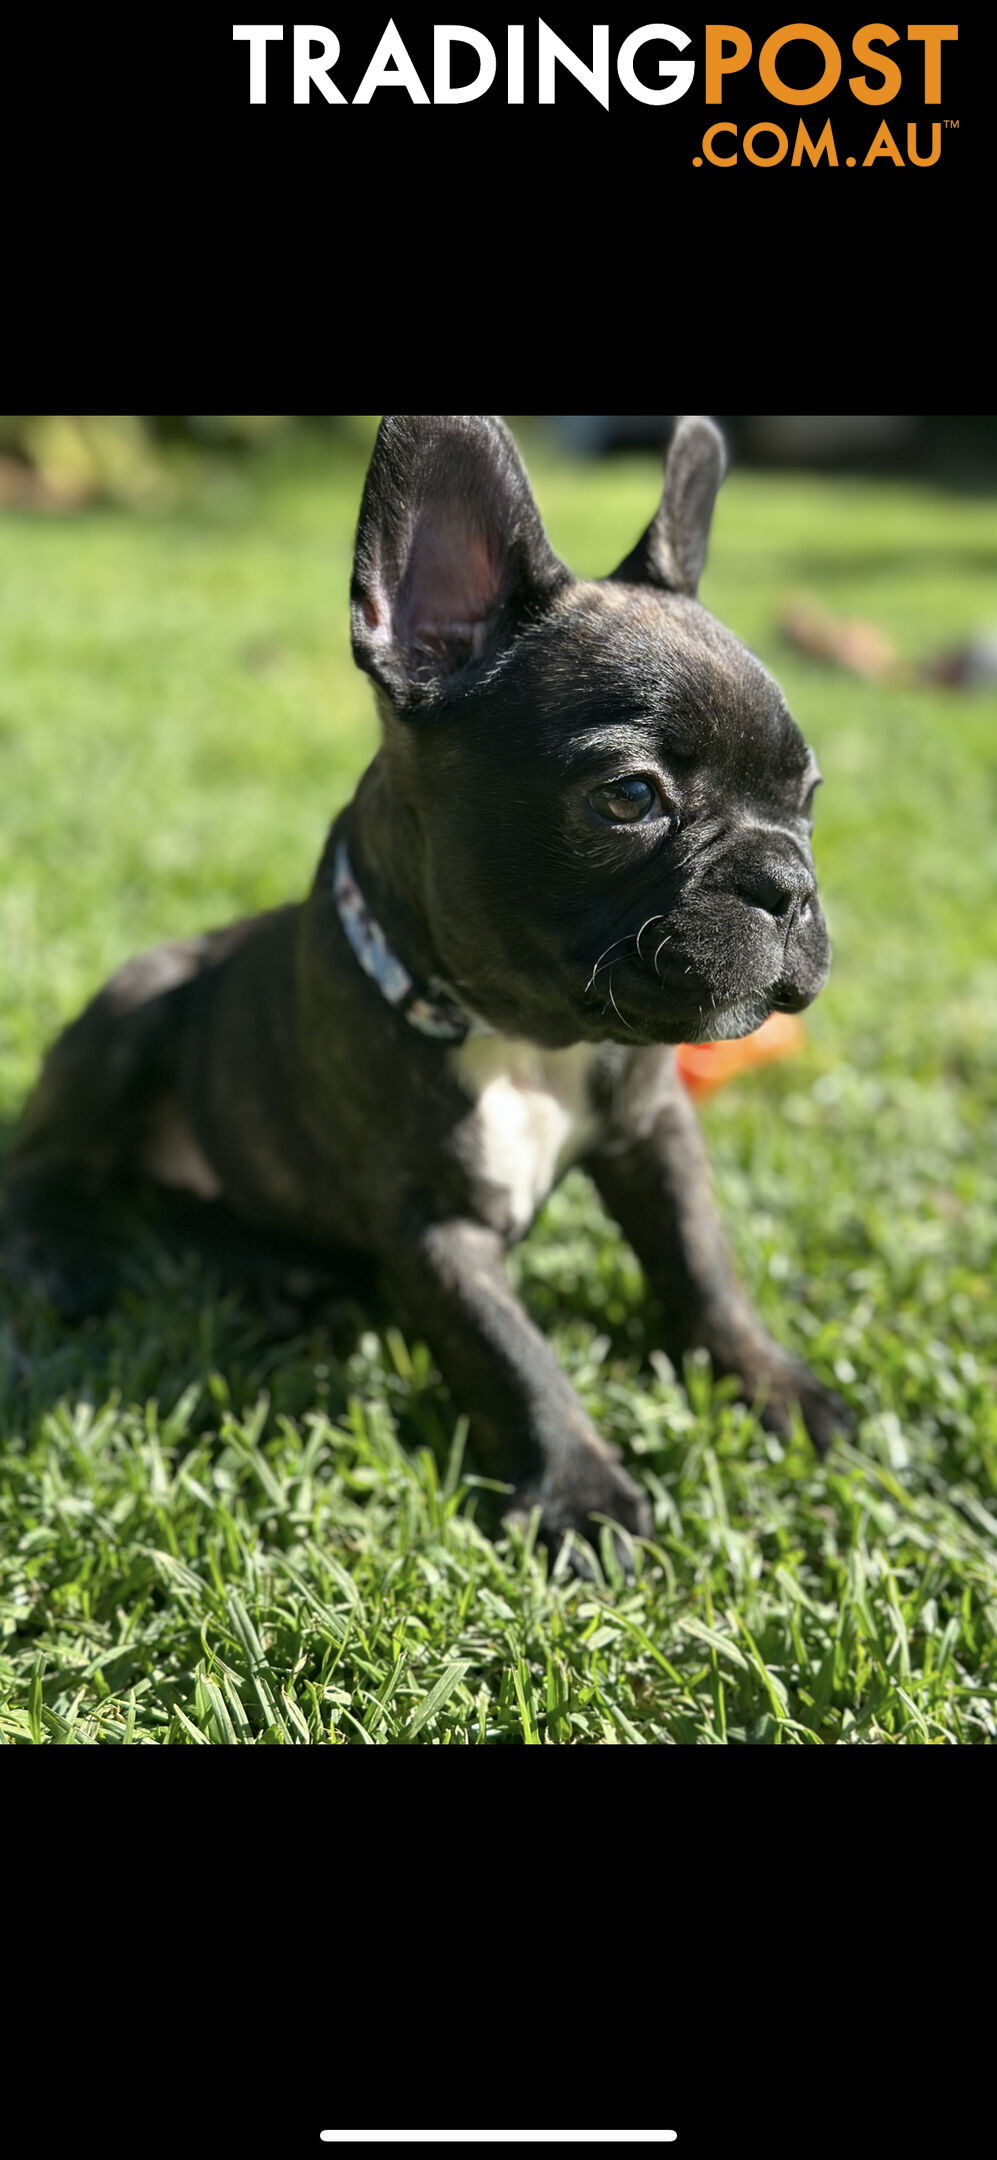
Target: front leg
x: 656, y: 1182
x: 527, y: 1425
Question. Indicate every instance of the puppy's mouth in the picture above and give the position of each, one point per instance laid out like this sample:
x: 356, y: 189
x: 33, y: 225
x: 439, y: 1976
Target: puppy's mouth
x: 699, y: 1024
x: 680, y: 1006
x: 727, y: 1023
x: 663, y: 984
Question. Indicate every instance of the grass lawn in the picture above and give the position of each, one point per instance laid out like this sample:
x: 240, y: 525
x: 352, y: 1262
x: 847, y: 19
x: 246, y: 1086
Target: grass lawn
x: 207, y: 1537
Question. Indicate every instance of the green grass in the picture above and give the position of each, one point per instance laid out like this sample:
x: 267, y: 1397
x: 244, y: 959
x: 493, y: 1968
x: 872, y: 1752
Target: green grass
x: 209, y: 1537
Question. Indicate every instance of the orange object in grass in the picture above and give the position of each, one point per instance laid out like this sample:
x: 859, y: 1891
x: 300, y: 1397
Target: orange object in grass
x: 705, y: 1066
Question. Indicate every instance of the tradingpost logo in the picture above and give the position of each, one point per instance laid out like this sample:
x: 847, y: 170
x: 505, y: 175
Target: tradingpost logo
x: 794, y: 71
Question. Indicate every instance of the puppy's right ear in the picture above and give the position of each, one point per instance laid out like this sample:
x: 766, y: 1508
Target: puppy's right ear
x: 672, y: 551
x: 452, y: 559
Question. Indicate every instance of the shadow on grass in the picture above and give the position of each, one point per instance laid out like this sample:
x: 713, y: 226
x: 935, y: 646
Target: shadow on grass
x: 183, y: 1311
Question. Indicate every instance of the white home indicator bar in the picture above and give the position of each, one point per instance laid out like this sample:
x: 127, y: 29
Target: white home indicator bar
x: 499, y: 2137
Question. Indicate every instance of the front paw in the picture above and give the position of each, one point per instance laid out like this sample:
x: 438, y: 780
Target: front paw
x: 778, y: 1383
x: 571, y: 1498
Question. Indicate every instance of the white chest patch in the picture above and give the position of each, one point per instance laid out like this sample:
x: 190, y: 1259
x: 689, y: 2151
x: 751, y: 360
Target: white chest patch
x: 532, y: 1116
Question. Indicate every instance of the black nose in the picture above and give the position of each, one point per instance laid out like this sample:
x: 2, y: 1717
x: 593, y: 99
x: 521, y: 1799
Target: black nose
x: 778, y: 885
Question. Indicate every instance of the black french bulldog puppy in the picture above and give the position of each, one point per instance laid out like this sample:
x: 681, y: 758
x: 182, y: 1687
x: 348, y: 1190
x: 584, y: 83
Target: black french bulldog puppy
x: 585, y: 838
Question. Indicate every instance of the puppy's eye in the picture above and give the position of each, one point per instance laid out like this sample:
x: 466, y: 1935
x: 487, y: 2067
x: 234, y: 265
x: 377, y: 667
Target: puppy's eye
x: 808, y: 800
x: 626, y: 801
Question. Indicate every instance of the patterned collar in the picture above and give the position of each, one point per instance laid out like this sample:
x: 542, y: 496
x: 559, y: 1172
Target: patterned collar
x: 434, y: 1010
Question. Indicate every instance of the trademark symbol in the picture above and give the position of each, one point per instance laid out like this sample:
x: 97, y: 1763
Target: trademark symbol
x: 951, y: 123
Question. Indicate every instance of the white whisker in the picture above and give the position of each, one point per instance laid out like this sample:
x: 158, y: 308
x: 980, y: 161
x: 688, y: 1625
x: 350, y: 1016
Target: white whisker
x: 603, y: 956
x: 612, y: 1000
x: 665, y: 941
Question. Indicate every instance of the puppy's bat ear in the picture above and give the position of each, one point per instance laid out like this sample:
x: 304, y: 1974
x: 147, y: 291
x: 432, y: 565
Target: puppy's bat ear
x: 452, y: 559
x: 672, y: 551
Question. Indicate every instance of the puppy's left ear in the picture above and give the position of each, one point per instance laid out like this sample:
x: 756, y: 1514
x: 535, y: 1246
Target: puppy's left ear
x: 672, y: 551
x: 452, y: 561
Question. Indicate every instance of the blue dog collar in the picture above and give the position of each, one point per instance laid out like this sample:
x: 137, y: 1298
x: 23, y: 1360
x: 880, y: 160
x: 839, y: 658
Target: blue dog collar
x: 434, y: 1011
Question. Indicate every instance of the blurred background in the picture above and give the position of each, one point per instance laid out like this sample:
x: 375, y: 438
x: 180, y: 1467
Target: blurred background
x: 58, y: 459
x: 962, y: 447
